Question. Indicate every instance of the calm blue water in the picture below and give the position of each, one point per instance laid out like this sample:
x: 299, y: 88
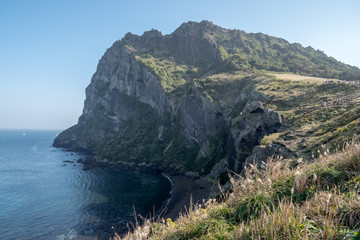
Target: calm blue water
x: 42, y: 197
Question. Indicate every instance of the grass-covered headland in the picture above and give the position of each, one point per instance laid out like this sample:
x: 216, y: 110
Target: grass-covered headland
x: 282, y: 199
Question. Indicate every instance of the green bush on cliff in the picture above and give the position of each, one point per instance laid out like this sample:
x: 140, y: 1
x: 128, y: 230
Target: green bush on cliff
x: 173, y: 73
x: 217, y: 141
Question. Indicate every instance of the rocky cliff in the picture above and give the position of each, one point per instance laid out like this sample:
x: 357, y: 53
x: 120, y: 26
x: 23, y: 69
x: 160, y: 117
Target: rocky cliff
x: 188, y: 99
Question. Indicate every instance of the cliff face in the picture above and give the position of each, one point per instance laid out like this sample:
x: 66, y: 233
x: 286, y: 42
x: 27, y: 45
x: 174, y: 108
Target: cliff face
x: 153, y: 99
x: 111, y: 99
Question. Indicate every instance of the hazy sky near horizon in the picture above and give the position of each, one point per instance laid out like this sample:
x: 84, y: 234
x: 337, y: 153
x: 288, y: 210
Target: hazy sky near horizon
x: 50, y: 49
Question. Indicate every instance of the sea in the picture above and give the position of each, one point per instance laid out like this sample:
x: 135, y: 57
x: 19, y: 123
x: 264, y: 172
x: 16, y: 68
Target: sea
x: 46, y: 194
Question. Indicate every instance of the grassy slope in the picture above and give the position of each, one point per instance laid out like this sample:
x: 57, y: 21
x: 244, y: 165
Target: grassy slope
x: 313, y: 197
x: 310, y: 123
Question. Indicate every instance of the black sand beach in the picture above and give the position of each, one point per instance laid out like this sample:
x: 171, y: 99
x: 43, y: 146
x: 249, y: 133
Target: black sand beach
x: 186, y: 187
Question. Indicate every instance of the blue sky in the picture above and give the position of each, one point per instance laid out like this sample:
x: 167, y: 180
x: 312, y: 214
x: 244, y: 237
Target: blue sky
x: 50, y: 49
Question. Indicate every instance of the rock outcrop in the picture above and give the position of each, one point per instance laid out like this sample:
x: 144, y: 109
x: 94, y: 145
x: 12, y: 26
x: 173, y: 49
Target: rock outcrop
x: 254, y: 122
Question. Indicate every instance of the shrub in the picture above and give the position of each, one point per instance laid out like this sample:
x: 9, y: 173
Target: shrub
x: 252, y: 205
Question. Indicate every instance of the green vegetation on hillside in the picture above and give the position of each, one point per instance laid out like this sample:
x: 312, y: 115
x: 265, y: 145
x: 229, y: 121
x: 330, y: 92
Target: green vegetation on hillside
x: 172, y: 76
x: 248, y: 51
x: 174, y: 73
x: 223, y: 89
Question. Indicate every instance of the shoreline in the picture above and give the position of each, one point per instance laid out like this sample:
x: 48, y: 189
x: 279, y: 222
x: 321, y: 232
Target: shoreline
x: 185, y: 187
x: 187, y: 190
x: 164, y: 208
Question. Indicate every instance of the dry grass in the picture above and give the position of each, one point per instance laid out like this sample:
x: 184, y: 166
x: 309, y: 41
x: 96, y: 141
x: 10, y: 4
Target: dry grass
x: 286, y: 221
x: 299, y: 78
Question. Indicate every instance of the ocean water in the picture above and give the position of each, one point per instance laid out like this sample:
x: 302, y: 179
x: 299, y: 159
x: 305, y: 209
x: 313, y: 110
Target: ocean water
x: 43, y: 197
